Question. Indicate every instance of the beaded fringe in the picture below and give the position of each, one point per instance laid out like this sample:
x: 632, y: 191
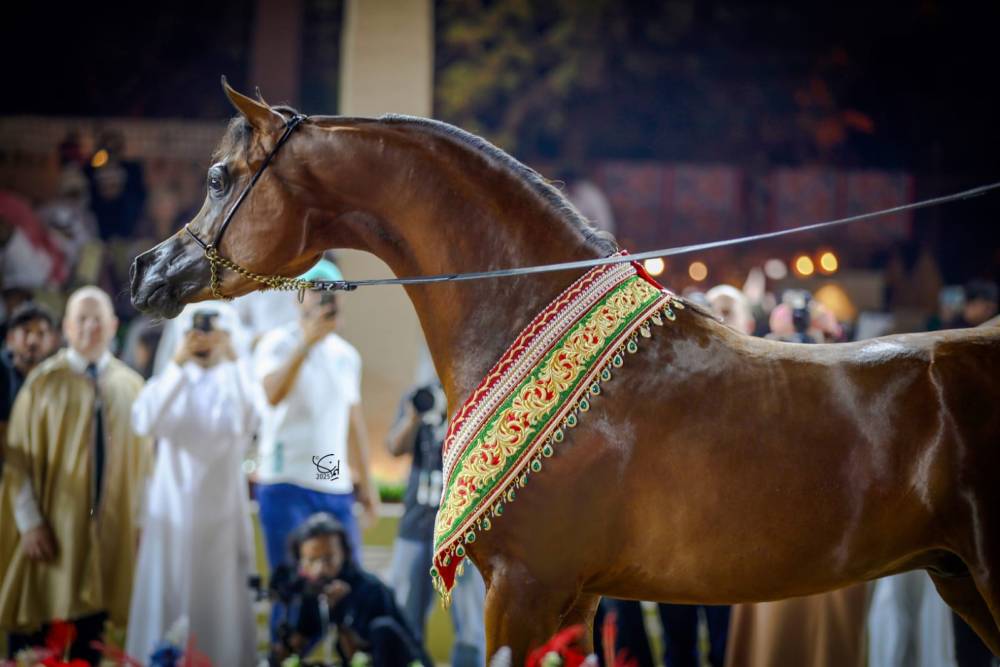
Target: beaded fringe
x: 616, y: 360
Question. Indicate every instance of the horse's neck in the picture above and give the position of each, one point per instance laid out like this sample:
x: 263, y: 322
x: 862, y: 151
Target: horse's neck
x: 468, y: 325
x: 452, y: 215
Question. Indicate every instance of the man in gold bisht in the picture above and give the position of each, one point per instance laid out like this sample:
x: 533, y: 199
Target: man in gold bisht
x: 71, y: 489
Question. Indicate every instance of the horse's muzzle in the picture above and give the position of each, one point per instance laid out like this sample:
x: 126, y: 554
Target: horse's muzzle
x: 166, y: 277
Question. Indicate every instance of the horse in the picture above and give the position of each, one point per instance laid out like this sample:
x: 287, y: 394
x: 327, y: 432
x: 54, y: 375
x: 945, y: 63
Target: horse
x: 715, y: 468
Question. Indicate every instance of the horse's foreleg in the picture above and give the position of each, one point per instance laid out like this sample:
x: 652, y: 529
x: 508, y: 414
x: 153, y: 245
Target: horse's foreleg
x: 961, y: 594
x: 987, y: 579
x: 582, y: 613
x: 523, y: 613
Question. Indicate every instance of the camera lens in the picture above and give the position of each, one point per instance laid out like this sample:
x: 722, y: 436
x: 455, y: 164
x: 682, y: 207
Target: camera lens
x: 423, y: 400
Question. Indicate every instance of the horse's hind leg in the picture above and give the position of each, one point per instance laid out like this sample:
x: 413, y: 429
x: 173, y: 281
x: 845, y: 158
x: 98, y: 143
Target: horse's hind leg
x: 962, y: 595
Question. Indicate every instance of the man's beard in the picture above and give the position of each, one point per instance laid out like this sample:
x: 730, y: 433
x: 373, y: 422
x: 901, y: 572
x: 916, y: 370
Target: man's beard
x: 27, y: 362
x: 317, y: 586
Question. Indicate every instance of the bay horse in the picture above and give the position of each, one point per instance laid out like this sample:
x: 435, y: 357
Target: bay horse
x: 715, y: 467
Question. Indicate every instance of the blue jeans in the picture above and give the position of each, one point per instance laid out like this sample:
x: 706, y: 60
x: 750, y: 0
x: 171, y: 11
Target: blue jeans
x: 410, y: 578
x: 284, y: 507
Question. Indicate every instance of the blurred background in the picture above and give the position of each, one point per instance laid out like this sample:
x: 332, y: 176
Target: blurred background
x: 693, y: 121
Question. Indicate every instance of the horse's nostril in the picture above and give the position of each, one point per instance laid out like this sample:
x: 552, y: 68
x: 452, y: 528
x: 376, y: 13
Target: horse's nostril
x: 137, y: 273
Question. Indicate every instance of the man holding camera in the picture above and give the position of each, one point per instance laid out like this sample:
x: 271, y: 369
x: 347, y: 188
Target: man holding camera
x: 420, y: 430
x: 203, y: 411
x: 327, y: 590
x: 313, y: 447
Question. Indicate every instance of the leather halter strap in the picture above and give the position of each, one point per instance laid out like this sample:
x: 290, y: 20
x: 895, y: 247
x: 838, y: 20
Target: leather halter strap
x: 212, y: 249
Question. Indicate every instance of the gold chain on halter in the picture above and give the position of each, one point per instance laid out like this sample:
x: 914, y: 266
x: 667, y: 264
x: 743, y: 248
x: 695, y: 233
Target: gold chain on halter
x: 215, y: 260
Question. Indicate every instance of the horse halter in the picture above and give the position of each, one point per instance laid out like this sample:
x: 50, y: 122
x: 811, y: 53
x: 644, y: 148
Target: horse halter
x: 217, y: 261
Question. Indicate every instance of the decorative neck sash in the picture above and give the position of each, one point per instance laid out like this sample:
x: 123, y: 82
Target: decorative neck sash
x: 520, y: 412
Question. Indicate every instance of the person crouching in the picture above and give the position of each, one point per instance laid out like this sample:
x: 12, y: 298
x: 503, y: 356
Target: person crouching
x: 328, y: 591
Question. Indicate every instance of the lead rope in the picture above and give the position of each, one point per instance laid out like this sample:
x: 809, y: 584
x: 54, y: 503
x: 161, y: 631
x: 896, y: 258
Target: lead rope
x: 300, y: 286
x: 216, y: 260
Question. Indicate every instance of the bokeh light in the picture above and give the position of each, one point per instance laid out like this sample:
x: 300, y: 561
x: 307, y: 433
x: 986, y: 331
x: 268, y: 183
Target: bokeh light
x: 100, y: 159
x: 654, y: 266
x: 775, y: 269
x: 828, y: 262
x: 804, y: 265
x: 698, y: 271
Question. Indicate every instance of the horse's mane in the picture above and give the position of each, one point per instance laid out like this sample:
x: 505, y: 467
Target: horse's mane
x: 531, y: 178
x: 236, y: 141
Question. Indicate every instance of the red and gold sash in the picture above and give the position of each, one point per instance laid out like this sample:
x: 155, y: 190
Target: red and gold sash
x: 520, y: 412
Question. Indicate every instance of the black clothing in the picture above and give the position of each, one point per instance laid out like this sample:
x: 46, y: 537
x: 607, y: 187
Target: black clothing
x: 369, y: 610
x: 99, y: 443
x: 120, y: 200
x: 423, y: 490
x: 10, y: 383
x: 680, y: 632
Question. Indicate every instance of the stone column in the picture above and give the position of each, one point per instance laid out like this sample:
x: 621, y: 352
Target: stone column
x: 387, y: 65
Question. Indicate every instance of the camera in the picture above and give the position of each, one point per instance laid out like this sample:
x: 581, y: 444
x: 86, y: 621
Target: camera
x: 287, y: 584
x: 429, y: 400
x: 328, y: 303
x: 302, y: 614
x: 799, y: 301
x: 801, y: 319
x: 430, y: 403
x: 204, y: 320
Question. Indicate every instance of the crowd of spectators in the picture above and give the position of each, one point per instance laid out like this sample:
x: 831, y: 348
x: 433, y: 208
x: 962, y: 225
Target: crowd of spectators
x: 105, y: 207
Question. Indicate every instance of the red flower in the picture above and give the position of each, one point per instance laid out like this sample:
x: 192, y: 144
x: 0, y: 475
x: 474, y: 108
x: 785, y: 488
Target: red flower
x: 60, y: 636
x: 609, y: 634
x: 562, y: 644
x: 193, y: 657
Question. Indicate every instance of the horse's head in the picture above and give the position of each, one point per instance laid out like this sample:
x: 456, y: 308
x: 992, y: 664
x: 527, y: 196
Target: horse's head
x: 270, y: 234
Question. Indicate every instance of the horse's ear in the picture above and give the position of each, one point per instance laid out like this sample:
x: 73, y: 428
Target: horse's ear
x: 259, y: 114
x: 260, y: 98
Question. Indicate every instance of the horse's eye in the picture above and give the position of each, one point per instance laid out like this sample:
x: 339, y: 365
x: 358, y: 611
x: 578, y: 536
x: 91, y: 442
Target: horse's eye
x: 217, y: 180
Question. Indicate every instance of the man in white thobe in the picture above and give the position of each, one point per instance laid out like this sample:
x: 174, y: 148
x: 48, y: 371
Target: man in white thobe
x: 196, y: 553
x: 909, y: 625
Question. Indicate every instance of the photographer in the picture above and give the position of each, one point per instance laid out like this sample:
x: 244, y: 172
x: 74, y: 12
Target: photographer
x: 203, y: 412
x: 314, y: 445
x: 791, y: 320
x: 420, y: 429
x: 326, y: 590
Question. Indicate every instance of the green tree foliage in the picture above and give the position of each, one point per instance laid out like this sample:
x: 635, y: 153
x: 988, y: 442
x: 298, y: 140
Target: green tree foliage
x: 675, y: 79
